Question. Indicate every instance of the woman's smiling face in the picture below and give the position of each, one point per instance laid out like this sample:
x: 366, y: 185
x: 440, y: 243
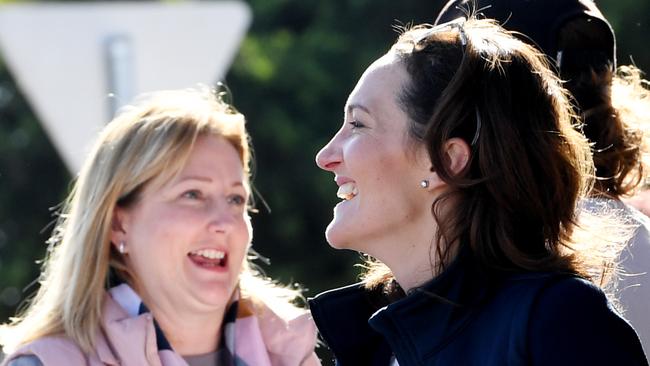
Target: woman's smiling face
x: 187, y: 239
x: 377, y: 172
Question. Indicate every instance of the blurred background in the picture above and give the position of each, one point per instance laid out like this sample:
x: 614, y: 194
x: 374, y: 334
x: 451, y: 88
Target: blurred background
x: 290, y: 78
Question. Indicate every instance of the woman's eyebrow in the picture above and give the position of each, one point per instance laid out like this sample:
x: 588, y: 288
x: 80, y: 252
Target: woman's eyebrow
x: 194, y: 177
x: 352, y: 107
x: 237, y: 183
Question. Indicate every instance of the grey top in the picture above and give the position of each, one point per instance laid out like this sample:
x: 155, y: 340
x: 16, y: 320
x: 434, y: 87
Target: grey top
x: 633, y: 283
x: 208, y: 359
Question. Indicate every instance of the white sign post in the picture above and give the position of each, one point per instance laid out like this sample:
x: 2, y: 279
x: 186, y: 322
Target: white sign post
x: 78, y: 62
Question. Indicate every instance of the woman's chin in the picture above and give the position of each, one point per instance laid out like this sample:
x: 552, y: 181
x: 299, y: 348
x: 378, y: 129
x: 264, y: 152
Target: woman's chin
x: 337, y: 236
x: 215, y: 299
x: 211, y: 294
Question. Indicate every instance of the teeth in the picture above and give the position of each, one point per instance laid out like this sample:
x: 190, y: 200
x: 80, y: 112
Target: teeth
x: 347, y: 191
x: 210, y: 253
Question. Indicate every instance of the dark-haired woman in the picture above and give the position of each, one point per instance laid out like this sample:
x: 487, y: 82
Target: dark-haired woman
x: 460, y: 172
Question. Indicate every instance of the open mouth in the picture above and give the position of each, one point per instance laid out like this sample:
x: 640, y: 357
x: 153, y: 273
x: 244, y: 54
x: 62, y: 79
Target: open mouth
x: 209, y: 258
x: 347, y: 191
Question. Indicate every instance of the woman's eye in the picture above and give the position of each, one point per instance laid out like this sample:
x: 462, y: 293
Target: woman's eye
x: 192, y: 194
x: 237, y: 200
x: 356, y: 124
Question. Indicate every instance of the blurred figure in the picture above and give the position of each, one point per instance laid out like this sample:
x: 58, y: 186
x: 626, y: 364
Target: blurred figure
x: 614, y: 107
x: 148, y: 262
x: 460, y: 172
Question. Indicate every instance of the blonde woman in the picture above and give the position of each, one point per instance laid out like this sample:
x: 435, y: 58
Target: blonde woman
x: 148, y: 262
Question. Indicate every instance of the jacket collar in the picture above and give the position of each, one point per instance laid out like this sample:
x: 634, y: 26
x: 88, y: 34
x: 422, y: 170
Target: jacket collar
x: 341, y: 316
x: 121, y: 332
x: 449, y: 301
x: 353, y: 321
x: 260, y: 332
x: 129, y: 300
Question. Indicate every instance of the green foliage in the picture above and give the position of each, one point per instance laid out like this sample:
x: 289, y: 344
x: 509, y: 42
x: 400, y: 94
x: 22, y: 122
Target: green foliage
x: 32, y: 179
x: 631, y: 22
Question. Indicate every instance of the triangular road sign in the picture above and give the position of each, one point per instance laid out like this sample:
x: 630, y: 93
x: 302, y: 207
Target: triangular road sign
x: 68, y: 57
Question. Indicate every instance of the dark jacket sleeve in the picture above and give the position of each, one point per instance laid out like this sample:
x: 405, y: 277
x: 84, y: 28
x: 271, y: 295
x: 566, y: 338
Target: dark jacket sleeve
x: 572, y: 323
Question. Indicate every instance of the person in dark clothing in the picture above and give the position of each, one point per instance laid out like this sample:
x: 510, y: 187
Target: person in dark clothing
x: 614, y: 107
x: 460, y: 172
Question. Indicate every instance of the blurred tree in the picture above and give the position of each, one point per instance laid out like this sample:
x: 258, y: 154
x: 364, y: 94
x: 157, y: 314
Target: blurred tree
x: 32, y: 180
x: 631, y: 22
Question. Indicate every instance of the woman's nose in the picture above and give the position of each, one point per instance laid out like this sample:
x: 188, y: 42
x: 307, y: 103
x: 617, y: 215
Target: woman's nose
x: 329, y: 157
x: 222, y: 219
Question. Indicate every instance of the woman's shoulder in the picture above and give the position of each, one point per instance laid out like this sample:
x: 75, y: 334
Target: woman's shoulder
x: 25, y: 360
x: 532, y: 287
x: 574, y: 318
x: 573, y: 292
x: 50, y: 350
x: 568, y: 299
x: 287, y: 332
x: 282, y: 320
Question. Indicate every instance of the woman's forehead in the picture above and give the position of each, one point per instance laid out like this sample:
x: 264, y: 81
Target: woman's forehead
x: 388, y: 59
x: 383, y: 79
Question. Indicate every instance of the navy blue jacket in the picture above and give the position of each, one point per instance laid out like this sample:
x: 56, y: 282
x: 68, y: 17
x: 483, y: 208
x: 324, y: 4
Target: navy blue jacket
x: 465, y: 317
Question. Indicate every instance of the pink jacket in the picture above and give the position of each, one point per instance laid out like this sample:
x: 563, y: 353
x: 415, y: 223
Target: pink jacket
x: 131, y: 341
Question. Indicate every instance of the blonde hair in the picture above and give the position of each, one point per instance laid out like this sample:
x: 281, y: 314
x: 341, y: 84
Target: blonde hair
x: 150, y: 140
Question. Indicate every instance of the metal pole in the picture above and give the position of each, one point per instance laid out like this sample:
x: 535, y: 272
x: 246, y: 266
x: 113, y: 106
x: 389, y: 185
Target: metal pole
x: 120, y: 75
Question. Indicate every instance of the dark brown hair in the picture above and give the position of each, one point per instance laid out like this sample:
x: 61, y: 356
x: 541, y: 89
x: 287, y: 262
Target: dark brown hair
x: 514, y: 204
x: 617, y: 145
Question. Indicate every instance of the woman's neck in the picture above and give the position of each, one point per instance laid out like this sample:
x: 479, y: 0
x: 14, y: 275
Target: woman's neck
x: 416, y: 267
x: 188, y: 332
x: 413, y: 256
x: 190, y: 336
x: 410, y: 254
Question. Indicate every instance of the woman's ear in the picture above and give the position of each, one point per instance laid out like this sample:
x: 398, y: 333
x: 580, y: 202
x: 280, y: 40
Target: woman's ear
x: 457, y: 153
x: 119, y: 226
